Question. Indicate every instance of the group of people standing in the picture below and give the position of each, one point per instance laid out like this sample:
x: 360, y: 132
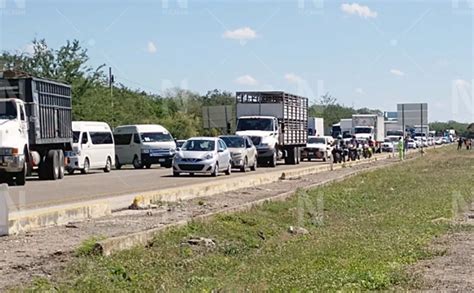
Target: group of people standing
x: 466, y: 141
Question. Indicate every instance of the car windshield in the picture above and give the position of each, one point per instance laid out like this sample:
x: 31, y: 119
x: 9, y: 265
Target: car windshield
x: 156, y: 136
x: 255, y: 124
x: 8, y: 110
x: 75, y: 136
x: 234, y: 141
x: 199, y: 145
x: 364, y: 130
x: 316, y: 140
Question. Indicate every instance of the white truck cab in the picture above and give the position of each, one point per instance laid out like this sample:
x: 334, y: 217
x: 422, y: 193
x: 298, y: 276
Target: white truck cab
x: 262, y: 130
x: 13, y: 139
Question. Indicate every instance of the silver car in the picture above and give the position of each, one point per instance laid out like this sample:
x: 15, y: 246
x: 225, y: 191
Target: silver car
x: 242, y: 151
x: 202, y: 155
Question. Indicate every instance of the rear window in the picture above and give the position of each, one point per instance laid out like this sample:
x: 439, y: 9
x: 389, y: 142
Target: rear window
x: 122, y: 139
x: 101, y: 137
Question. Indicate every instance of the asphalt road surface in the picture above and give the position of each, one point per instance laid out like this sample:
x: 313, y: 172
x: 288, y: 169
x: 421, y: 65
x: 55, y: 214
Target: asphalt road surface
x: 97, y: 184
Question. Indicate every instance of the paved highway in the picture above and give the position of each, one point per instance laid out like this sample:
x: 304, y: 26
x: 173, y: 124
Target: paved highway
x: 77, y: 187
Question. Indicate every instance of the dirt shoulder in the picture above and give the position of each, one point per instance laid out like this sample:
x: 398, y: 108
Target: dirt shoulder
x: 453, y: 271
x: 43, y: 253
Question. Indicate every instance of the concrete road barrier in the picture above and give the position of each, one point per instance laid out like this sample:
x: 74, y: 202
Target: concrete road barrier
x: 25, y: 220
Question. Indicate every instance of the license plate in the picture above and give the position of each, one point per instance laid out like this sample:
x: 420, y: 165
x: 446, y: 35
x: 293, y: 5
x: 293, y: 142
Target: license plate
x: 161, y: 160
x: 310, y: 153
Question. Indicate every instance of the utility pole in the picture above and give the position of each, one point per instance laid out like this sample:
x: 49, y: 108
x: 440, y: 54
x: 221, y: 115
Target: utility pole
x: 422, y: 130
x: 111, y: 86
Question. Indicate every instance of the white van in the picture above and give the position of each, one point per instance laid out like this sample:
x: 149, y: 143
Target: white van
x: 92, y: 148
x: 143, y: 145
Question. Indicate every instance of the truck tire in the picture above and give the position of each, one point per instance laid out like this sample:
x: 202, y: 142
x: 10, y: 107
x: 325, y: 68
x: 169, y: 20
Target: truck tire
x: 291, y: 157
x: 61, y: 164
x: 20, y: 178
x: 49, y: 169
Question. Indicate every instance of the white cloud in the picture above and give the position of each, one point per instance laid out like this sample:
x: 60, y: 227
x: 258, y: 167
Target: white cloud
x: 293, y: 78
x: 397, y: 72
x: 246, y: 80
x: 151, y: 47
x: 355, y: 8
x: 241, y: 34
x: 359, y: 91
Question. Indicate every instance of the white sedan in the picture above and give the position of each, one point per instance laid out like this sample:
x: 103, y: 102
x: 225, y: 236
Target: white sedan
x: 208, y: 155
x: 411, y: 144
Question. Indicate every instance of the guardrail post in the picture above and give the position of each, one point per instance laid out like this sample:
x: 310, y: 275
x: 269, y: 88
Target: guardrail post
x: 3, y: 209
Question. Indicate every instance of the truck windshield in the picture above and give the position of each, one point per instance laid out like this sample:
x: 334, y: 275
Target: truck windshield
x: 156, y: 137
x: 75, y: 136
x: 364, y: 130
x: 316, y: 140
x: 199, y: 145
x: 8, y: 110
x: 255, y: 124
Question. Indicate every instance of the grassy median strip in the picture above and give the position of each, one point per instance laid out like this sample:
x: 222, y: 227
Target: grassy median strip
x: 362, y: 233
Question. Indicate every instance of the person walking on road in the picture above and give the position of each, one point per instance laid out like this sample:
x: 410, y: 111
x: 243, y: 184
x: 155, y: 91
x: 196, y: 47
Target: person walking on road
x: 459, y: 143
x: 401, y: 151
x: 405, y: 143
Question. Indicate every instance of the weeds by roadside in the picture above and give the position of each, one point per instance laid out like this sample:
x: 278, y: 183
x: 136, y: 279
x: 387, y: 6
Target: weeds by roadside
x: 368, y: 229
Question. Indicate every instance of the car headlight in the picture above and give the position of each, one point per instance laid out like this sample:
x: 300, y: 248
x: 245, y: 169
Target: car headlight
x: 208, y: 156
x: 145, y: 151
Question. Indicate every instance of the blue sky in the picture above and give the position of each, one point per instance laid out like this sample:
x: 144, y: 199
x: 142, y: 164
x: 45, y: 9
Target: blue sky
x: 365, y: 53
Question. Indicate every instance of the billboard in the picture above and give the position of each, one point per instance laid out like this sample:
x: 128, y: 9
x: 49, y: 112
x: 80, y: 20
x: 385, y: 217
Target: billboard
x: 221, y: 117
x: 413, y: 115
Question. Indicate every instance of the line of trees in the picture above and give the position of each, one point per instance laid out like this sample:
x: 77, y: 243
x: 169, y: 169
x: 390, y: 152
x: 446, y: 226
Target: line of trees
x: 179, y: 110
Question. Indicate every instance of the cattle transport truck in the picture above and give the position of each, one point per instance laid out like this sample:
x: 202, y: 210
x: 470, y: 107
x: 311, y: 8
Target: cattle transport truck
x: 277, y: 123
x: 35, y: 127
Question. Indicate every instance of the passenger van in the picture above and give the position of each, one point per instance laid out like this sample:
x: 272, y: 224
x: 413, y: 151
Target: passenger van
x: 92, y: 148
x: 143, y: 145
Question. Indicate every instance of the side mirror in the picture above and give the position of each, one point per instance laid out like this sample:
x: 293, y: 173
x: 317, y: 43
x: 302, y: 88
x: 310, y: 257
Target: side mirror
x: 220, y: 151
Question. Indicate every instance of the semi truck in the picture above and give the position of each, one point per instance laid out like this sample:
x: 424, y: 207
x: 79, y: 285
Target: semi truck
x: 315, y: 126
x: 343, y: 128
x: 277, y: 123
x: 366, y: 126
x: 35, y: 127
x: 346, y: 127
